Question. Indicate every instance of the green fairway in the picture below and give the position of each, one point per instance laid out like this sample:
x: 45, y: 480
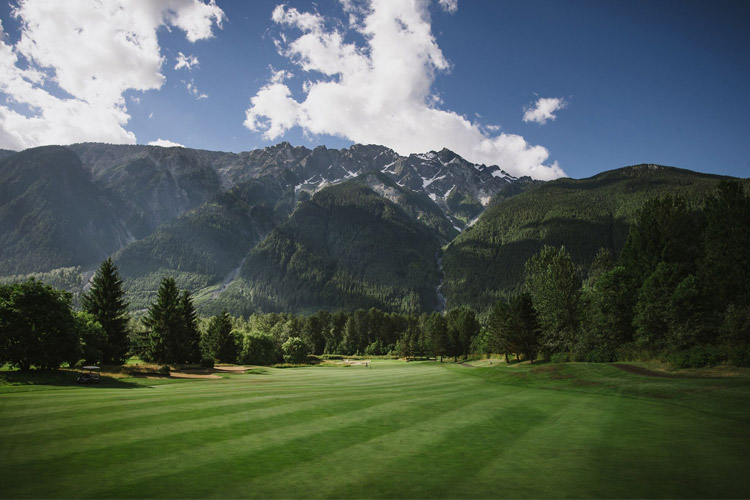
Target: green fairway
x: 395, y: 430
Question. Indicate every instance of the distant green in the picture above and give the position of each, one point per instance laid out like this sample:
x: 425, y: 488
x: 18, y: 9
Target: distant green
x: 392, y: 430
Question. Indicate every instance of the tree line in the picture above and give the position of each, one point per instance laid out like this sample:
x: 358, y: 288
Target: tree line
x: 39, y: 328
x: 679, y: 291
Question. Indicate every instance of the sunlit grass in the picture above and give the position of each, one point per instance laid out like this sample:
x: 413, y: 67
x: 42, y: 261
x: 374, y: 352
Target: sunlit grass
x: 392, y: 430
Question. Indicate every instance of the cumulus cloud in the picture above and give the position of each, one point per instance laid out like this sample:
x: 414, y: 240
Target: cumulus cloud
x: 187, y: 62
x: 165, y: 143
x: 380, y: 91
x: 64, y: 80
x: 544, y: 109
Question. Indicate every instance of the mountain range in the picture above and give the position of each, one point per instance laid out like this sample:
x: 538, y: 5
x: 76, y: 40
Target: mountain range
x: 287, y: 228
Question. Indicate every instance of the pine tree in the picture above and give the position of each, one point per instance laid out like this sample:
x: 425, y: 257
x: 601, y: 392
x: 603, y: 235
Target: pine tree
x: 218, y: 342
x: 165, y: 322
x: 106, y: 302
x: 187, y: 348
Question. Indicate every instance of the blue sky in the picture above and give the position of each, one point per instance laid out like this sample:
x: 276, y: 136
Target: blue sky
x: 634, y: 81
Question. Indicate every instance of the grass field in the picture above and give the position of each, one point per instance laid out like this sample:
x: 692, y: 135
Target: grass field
x: 395, y: 430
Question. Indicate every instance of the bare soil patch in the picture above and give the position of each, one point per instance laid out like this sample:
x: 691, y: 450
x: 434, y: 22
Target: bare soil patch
x: 357, y: 362
x: 232, y: 369
x: 193, y: 375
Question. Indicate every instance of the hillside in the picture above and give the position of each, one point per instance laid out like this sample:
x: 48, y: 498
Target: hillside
x: 203, y: 245
x: 487, y: 260
x: 348, y: 247
x: 153, y: 184
x: 296, y: 229
x: 52, y: 215
x: 196, y: 215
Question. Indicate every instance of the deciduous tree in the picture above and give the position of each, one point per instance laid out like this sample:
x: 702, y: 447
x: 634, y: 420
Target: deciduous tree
x: 554, y: 285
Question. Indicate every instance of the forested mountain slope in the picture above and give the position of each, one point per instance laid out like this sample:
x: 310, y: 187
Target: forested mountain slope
x: 348, y: 247
x: 203, y: 245
x: 52, y: 215
x: 296, y: 229
x: 487, y: 260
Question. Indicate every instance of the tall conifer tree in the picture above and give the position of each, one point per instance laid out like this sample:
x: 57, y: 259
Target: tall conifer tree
x: 164, y: 321
x: 106, y: 302
x: 188, y: 349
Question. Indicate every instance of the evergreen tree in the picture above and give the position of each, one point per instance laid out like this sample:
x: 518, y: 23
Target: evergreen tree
x: 218, y: 342
x: 523, y: 326
x: 514, y: 327
x: 501, y: 341
x: 187, y: 348
x: 603, y: 261
x: 164, y: 321
x: 654, y: 307
x: 463, y: 326
x: 665, y: 230
x: 436, y: 331
x: 725, y: 269
x: 106, y: 302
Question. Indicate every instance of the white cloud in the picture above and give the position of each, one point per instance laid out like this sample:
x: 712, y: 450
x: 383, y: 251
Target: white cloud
x: 544, y: 109
x: 193, y: 90
x: 450, y: 6
x: 65, y: 78
x: 380, y: 92
x: 280, y: 76
x: 165, y: 143
x: 187, y: 62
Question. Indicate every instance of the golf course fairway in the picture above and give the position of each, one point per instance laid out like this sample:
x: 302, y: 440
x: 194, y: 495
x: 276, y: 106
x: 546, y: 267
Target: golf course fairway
x: 388, y: 430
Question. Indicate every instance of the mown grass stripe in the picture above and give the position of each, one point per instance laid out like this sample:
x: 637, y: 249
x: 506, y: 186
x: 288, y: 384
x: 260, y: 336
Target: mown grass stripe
x: 173, y: 455
x: 309, y: 444
x: 407, y: 431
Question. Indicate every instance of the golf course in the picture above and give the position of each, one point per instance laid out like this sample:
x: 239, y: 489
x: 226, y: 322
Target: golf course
x: 387, y: 429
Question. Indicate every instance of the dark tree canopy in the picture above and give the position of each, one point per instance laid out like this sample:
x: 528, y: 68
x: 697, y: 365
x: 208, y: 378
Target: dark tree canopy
x: 554, y: 286
x: 514, y: 327
x: 165, y: 324
x: 105, y: 300
x: 36, y: 326
x: 463, y: 326
x: 218, y: 342
x: 187, y: 348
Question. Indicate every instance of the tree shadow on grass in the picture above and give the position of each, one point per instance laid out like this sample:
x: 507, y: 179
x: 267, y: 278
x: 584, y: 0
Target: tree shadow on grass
x: 59, y: 378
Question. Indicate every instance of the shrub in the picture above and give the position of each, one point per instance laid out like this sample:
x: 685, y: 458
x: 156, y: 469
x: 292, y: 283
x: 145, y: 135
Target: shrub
x: 697, y: 357
x: 164, y: 369
x: 207, y: 362
x: 295, y: 350
x: 740, y: 355
x: 560, y: 357
x: 257, y: 349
